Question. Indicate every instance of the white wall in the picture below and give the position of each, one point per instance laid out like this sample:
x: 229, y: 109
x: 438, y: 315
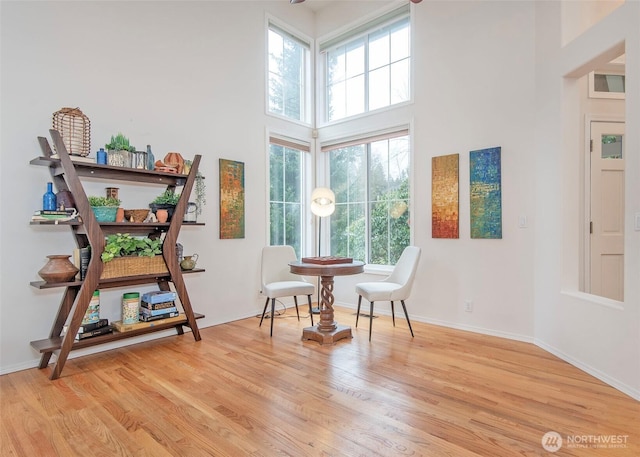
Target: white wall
x: 181, y: 76
x: 189, y: 77
x: 598, y: 335
x: 474, y: 88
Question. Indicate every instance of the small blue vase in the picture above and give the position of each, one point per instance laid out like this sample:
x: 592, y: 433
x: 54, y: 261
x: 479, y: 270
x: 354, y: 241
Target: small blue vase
x: 49, y: 201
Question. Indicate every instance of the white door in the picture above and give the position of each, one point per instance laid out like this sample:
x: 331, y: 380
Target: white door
x: 607, y: 210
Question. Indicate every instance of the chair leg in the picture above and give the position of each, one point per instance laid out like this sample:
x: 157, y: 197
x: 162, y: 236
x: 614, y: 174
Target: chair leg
x: 264, y: 311
x: 273, y: 314
x: 358, y: 311
x: 370, y: 321
x: 295, y: 300
x: 407, y: 316
x: 393, y: 315
x: 310, y: 309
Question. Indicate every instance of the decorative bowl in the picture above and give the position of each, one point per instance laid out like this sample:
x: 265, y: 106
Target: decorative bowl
x: 135, y: 215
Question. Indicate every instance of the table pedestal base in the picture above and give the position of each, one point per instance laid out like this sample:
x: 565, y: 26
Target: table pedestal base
x: 340, y: 332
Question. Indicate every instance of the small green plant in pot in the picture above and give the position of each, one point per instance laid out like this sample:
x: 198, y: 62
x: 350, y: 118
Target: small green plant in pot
x: 119, y: 142
x: 166, y: 200
x: 104, y: 208
x: 124, y: 244
x: 119, y: 150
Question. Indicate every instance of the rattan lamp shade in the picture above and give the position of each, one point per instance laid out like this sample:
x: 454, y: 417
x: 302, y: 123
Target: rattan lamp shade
x: 75, y: 129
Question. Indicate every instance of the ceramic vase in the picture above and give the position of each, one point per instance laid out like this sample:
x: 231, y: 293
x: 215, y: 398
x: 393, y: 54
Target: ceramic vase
x: 58, y: 269
x: 162, y: 215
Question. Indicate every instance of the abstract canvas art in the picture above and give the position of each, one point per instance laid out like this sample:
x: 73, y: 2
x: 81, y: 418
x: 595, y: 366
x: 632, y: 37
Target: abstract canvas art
x: 445, y: 196
x: 486, y: 193
x: 231, y: 199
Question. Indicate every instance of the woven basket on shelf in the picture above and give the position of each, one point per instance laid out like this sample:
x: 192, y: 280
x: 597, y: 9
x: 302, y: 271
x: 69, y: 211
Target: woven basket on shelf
x: 136, y: 215
x: 75, y: 129
x: 134, y: 266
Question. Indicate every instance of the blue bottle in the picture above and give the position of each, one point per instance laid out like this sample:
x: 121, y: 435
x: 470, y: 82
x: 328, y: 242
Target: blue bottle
x: 101, y: 156
x: 151, y: 161
x: 49, y: 202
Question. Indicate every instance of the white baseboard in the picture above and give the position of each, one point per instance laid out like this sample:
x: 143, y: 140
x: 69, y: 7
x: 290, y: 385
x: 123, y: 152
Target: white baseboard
x: 622, y: 387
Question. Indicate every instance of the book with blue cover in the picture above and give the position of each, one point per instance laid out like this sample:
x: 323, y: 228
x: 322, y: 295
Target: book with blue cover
x: 158, y: 296
x: 157, y: 312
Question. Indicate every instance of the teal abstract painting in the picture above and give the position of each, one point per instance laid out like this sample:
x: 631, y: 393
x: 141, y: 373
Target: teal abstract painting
x: 486, y: 193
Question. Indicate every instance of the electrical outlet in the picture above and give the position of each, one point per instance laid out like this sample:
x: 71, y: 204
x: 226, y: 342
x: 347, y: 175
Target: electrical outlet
x: 468, y: 306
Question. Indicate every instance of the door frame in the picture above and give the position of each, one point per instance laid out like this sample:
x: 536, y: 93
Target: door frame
x: 585, y: 232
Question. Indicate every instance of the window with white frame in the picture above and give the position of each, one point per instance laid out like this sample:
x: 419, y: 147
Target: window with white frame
x: 286, y: 192
x: 289, y: 63
x: 370, y: 178
x: 368, y: 67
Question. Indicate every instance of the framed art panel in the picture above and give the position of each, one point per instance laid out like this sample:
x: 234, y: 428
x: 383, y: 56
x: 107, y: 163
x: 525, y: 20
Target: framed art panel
x: 445, y: 213
x: 485, y: 193
x: 231, y: 199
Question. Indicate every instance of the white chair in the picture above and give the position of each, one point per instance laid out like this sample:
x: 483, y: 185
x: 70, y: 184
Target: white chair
x: 395, y: 287
x: 278, y: 281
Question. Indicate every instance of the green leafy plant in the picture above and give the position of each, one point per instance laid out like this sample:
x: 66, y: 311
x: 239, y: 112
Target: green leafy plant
x: 124, y: 244
x: 103, y: 201
x: 168, y: 197
x: 119, y: 142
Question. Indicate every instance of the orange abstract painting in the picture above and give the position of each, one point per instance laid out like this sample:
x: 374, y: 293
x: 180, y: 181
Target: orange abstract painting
x: 445, y: 196
x: 231, y: 199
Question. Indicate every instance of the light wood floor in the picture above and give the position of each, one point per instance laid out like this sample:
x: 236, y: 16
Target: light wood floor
x: 240, y: 393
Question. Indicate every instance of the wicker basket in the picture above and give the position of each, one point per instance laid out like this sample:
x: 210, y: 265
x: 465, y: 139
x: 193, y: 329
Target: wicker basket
x: 136, y: 215
x: 134, y: 266
x: 75, y: 129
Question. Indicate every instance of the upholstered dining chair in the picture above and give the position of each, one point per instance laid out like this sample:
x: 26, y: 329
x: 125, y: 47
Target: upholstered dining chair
x: 278, y: 281
x: 396, y: 286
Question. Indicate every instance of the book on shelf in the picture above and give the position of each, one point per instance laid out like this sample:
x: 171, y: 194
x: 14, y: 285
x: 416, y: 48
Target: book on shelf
x: 55, y: 215
x: 84, y: 328
x: 156, y: 312
x: 156, y: 306
x: 158, y: 296
x: 77, y: 158
x: 81, y: 258
x: 120, y: 327
x: 95, y: 332
x: 157, y: 317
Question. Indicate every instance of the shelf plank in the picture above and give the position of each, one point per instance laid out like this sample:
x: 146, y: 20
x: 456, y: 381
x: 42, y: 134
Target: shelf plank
x: 95, y: 170
x: 115, y: 282
x: 53, y: 344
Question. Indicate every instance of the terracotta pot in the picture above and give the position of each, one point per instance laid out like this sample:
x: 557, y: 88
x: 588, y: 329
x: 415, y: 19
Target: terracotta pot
x: 120, y: 215
x: 162, y: 215
x: 175, y: 160
x: 58, y: 269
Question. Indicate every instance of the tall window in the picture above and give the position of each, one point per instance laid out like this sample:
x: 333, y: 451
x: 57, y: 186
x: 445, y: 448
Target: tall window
x: 286, y: 171
x: 368, y: 67
x: 289, y: 69
x: 371, y: 181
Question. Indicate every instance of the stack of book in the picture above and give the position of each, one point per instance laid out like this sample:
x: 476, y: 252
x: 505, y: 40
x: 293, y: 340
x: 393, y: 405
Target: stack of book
x: 55, y: 215
x: 158, y: 305
x: 100, y: 327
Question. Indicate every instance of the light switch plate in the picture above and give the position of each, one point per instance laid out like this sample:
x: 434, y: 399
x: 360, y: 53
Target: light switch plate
x: 637, y: 223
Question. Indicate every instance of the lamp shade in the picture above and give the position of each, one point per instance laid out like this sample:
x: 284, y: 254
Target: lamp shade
x: 323, y: 201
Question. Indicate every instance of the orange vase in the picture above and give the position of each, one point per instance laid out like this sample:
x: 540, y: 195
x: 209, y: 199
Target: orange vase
x: 162, y: 215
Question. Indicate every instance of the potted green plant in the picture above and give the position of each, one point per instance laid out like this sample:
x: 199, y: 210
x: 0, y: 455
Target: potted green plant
x: 124, y: 244
x: 166, y: 200
x: 118, y: 151
x: 126, y: 255
x: 104, y: 208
